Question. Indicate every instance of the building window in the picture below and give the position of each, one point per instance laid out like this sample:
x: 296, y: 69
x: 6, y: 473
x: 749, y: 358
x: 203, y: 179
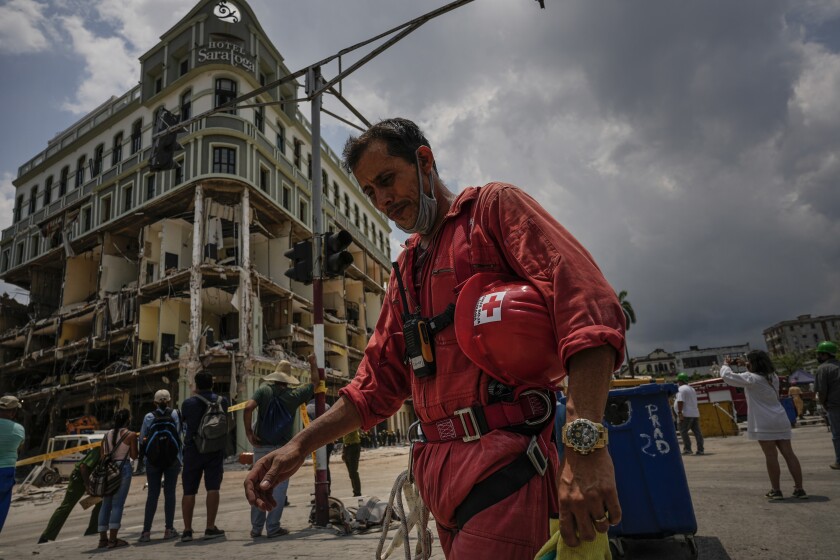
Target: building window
x: 309, y: 166
x: 186, y: 105
x: 97, y: 160
x: 18, y: 207
x: 19, y: 254
x: 225, y: 92
x: 287, y: 198
x: 325, y: 183
x: 179, y: 172
x: 158, y: 84
x: 80, y: 172
x: 303, y: 211
x: 150, y: 186
x: 184, y: 67
x: 136, y: 136
x: 264, y: 179
x: 281, y: 139
x: 105, y: 209
x: 346, y: 205
x: 259, y: 118
x: 62, y: 180
x: 33, y: 199
x: 116, y: 150
x: 336, y: 198
x: 262, y: 79
x: 381, y: 241
x: 128, y: 197
x: 6, y: 256
x: 48, y: 185
x: 365, y: 222
x: 33, y: 245
x: 298, y: 145
x: 356, y: 213
x: 86, y: 222
x: 224, y: 160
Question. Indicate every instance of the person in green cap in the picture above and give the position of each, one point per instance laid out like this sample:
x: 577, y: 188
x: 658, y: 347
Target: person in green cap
x: 76, y: 488
x: 688, y: 414
x: 827, y: 387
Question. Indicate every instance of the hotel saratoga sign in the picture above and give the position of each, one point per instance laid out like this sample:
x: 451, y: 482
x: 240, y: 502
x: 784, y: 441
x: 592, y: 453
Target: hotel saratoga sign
x: 225, y: 51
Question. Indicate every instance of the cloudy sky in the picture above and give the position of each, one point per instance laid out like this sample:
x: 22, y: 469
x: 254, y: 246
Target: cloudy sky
x: 693, y: 147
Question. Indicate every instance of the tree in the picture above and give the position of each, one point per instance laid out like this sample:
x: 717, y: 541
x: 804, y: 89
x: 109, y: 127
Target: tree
x: 630, y: 318
x: 788, y: 364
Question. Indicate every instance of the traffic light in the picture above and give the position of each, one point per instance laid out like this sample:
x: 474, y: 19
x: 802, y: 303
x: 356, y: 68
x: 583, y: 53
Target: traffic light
x: 165, y: 146
x: 301, y: 256
x: 336, y: 256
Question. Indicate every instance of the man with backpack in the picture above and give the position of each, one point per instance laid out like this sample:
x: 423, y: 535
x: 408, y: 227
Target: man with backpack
x: 162, y: 449
x: 205, y: 441
x: 276, y: 402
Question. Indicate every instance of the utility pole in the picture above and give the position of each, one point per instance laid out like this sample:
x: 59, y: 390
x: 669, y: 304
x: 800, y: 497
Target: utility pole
x: 313, y: 81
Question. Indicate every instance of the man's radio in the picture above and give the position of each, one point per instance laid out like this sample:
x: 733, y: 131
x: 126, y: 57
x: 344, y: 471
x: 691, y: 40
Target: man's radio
x: 417, y: 335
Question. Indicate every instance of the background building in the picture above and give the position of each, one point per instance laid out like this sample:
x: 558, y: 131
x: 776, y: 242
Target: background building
x: 801, y: 334
x: 138, y: 279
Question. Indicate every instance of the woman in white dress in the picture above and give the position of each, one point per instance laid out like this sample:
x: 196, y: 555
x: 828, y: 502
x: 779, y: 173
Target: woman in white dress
x: 767, y: 421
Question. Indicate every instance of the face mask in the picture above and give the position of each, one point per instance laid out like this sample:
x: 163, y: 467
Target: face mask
x: 427, y: 206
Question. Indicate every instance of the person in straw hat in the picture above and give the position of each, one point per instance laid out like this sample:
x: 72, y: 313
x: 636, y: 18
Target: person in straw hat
x: 276, y: 401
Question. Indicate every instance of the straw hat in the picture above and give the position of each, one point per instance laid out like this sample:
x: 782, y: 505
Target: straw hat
x: 9, y: 402
x: 283, y: 374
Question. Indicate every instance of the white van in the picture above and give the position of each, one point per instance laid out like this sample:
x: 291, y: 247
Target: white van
x: 65, y: 464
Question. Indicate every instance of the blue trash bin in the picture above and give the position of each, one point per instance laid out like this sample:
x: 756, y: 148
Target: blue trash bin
x: 649, y: 472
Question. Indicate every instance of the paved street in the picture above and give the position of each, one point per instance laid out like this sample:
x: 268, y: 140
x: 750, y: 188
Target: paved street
x: 727, y: 486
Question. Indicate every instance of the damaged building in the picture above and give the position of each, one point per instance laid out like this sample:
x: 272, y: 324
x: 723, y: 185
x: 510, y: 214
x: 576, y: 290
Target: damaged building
x: 138, y: 279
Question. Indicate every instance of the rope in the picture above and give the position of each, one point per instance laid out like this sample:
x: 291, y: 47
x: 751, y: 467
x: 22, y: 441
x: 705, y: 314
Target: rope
x: 418, y: 515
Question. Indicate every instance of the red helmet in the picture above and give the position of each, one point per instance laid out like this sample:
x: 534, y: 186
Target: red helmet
x: 502, y: 324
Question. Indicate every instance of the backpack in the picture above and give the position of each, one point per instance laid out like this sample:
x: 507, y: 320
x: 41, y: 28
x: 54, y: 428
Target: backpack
x: 212, y: 432
x: 163, y: 444
x: 274, y: 422
x: 106, y: 477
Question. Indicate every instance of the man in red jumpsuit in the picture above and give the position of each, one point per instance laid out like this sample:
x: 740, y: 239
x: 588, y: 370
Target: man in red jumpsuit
x: 495, y: 228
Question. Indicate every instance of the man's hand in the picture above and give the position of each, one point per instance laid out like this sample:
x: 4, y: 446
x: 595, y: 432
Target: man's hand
x: 588, y: 496
x: 268, y: 472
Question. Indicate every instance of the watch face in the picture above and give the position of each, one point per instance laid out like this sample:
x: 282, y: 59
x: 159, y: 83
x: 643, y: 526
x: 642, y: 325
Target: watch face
x: 582, y: 434
x: 226, y: 11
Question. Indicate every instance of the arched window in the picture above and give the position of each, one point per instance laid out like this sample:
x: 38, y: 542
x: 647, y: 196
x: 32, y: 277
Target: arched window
x: 116, y: 150
x: 136, y: 136
x: 97, y: 160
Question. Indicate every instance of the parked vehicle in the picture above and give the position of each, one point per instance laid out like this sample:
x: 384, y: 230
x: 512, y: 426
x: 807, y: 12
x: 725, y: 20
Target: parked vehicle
x: 65, y: 464
x: 709, y: 390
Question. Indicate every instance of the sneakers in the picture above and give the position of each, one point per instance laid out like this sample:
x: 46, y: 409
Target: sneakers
x: 774, y: 495
x: 145, y: 537
x: 699, y: 453
x: 835, y: 466
x: 170, y: 534
x: 279, y: 532
x: 686, y: 451
x: 186, y: 536
x: 800, y: 493
x: 213, y: 533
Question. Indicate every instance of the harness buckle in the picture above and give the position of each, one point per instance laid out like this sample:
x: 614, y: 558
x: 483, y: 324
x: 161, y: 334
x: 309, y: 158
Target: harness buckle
x: 462, y: 413
x: 549, y: 406
x: 537, y: 457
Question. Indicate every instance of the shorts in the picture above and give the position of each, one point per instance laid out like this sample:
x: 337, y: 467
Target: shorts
x: 196, y: 464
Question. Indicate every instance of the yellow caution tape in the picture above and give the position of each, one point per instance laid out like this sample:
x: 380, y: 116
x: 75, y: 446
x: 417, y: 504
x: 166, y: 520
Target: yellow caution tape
x: 305, y: 416
x: 55, y: 454
x: 236, y: 407
x: 321, y: 388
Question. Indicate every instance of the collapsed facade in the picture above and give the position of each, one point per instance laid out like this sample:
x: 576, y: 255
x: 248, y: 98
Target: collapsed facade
x: 138, y: 279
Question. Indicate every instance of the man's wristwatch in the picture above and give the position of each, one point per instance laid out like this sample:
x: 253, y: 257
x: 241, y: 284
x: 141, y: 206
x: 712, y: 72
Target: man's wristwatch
x: 584, y: 436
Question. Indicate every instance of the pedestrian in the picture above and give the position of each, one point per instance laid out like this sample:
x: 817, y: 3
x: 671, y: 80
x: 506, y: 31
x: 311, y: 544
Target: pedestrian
x: 688, y: 414
x: 121, y: 444
x: 351, y: 450
x: 795, y: 393
x: 276, y: 402
x: 162, y: 457
x: 767, y: 420
x: 509, y: 258
x: 827, y: 386
x: 12, y: 435
x: 77, y: 485
x: 198, y: 412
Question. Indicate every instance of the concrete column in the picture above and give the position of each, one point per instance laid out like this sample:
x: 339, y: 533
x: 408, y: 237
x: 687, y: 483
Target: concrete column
x: 239, y: 387
x: 193, y: 358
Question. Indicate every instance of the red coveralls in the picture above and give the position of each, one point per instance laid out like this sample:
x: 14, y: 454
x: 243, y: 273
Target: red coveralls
x: 510, y: 233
